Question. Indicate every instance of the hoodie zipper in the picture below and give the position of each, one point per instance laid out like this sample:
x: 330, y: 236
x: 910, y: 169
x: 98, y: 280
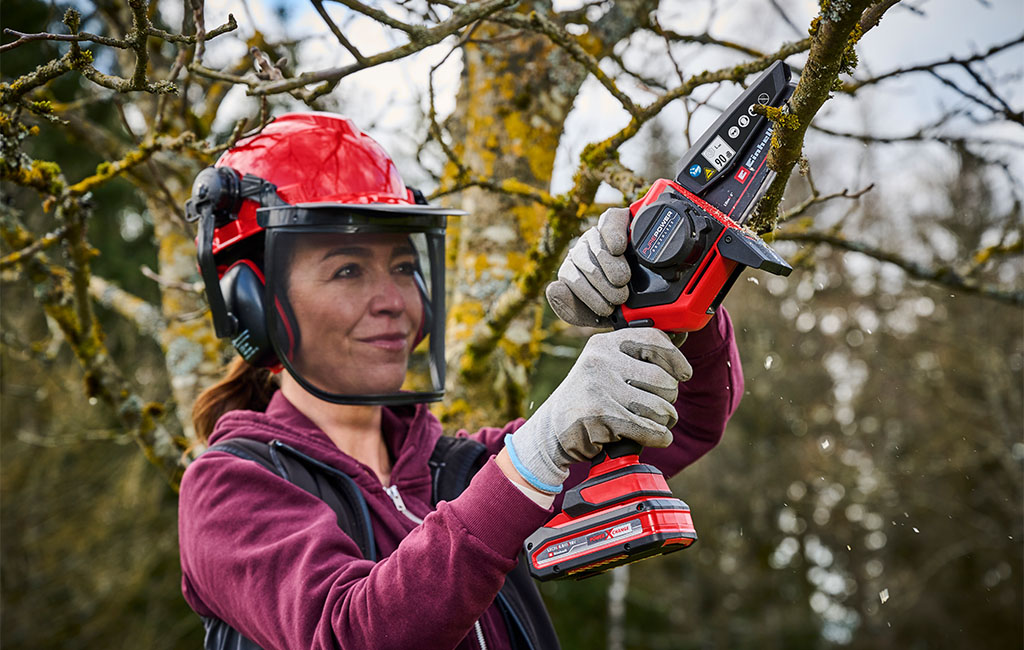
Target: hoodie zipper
x: 480, y: 635
x: 396, y: 498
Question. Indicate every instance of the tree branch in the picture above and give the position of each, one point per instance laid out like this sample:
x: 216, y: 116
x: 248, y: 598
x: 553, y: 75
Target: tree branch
x: 854, y: 86
x: 424, y: 37
x: 146, y: 318
x: 943, y: 276
x: 834, y: 34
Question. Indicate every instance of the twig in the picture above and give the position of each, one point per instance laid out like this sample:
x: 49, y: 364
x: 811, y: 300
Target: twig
x: 538, y: 22
x: 337, y: 32
x: 38, y: 245
x: 146, y: 318
x: 425, y: 37
x: 106, y: 171
x: 817, y: 198
x: 926, y: 67
x: 381, y: 17
x: 82, y: 37
x: 943, y: 276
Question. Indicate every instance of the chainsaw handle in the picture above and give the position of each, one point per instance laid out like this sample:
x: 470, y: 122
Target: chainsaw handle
x: 617, y: 449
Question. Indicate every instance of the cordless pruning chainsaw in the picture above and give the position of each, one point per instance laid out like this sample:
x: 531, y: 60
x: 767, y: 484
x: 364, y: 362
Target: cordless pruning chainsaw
x: 687, y: 247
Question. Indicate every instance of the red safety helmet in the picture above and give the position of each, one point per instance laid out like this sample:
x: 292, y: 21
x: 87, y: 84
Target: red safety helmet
x: 311, y: 180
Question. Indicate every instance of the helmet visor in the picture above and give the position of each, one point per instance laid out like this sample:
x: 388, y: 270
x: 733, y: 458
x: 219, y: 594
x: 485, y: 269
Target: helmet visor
x: 356, y: 310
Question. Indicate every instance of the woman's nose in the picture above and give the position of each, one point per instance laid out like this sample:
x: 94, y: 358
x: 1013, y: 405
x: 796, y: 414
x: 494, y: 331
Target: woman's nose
x: 388, y: 298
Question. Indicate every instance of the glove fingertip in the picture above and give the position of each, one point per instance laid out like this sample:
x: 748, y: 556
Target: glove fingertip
x: 570, y: 308
x: 614, y: 229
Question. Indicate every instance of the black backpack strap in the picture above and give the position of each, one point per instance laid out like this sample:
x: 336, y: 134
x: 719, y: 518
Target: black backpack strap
x: 452, y: 466
x: 333, y: 487
x: 221, y: 636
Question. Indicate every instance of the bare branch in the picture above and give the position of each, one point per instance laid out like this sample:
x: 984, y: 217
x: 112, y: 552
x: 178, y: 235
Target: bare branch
x: 461, y: 16
x: 337, y: 32
x: 854, y: 86
x: 381, y: 17
x: 1007, y: 112
x: 106, y: 171
x: 705, y: 39
x: 835, y: 32
x: 83, y: 37
x: 539, y: 23
x: 86, y: 37
x: 188, y: 287
x: 817, y: 198
x: 38, y: 245
x: 58, y: 293
x: 943, y: 276
x: 146, y: 318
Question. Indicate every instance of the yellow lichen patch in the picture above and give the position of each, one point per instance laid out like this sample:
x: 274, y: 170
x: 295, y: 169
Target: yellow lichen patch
x: 479, y: 264
x: 531, y: 219
x: 463, y: 317
x: 516, y: 262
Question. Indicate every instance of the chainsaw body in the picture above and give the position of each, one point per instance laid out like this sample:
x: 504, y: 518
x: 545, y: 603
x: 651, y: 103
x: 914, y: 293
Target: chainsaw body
x: 687, y: 247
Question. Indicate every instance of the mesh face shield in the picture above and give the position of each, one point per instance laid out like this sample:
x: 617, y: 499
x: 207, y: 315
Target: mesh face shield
x: 355, y: 300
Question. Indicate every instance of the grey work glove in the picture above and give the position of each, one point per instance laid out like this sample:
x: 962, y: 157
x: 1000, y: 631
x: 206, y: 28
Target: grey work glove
x: 622, y: 386
x: 592, y: 279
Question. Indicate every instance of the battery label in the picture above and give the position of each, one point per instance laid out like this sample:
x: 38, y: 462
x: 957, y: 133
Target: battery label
x: 590, y: 542
x: 659, y: 235
x: 718, y: 153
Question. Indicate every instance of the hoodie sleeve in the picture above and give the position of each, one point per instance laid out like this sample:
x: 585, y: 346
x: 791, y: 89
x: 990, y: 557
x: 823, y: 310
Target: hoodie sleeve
x: 269, y: 559
x: 704, y: 405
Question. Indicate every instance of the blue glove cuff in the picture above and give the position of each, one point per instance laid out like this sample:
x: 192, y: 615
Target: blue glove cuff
x: 527, y: 474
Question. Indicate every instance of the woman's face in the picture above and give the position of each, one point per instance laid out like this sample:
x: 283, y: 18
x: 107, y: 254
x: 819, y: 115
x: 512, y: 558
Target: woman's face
x: 358, y: 309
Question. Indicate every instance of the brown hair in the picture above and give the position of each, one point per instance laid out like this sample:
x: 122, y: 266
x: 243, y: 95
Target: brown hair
x: 243, y: 387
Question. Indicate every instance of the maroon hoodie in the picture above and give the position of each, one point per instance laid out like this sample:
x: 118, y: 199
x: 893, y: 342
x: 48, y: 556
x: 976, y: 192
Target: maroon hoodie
x: 268, y: 558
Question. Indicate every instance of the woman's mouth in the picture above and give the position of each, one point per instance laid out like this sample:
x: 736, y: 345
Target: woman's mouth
x: 392, y: 341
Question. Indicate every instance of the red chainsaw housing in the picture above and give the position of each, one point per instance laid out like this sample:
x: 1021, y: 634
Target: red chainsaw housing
x: 622, y: 512
x: 705, y: 288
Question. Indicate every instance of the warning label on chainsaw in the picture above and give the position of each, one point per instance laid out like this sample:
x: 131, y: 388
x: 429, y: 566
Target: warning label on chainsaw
x: 590, y: 541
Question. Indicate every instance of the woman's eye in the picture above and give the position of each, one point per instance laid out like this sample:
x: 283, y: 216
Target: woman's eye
x: 348, y: 271
x: 405, y: 268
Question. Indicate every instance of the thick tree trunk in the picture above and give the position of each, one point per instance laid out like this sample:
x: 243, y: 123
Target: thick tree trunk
x: 517, y: 91
x: 513, y: 92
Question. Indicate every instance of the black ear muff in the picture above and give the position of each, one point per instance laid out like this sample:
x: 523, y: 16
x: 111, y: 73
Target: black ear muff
x: 242, y: 287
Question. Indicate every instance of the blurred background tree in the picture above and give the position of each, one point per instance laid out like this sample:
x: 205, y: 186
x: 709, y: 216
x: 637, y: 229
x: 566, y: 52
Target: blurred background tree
x: 867, y: 494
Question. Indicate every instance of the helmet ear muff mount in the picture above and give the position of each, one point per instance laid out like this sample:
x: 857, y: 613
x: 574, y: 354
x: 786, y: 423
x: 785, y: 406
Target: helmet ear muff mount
x: 236, y: 299
x: 215, y: 201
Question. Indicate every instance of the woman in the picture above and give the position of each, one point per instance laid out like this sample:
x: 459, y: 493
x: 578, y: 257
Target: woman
x: 327, y: 274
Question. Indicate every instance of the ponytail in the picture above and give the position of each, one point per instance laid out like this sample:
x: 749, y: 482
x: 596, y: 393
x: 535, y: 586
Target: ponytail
x: 243, y: 387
